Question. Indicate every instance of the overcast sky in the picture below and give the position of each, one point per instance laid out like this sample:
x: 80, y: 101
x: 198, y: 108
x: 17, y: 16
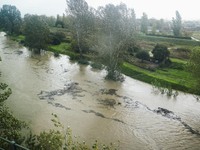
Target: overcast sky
x: 189, y: 9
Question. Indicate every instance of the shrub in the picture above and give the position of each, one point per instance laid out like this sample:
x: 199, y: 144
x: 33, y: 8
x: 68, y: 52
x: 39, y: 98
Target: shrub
x: 97, y: 66
x: 73, y: 56
x: 57, y: 38
x: 56, y: 54
x: 160, y: 53
x: 143, y: 55
x: 133, y: 48
x: 83, y: 62
x: 83, y: 45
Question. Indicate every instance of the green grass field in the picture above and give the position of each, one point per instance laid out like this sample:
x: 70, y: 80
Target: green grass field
x: 177, y: 79
x: 168, y: 41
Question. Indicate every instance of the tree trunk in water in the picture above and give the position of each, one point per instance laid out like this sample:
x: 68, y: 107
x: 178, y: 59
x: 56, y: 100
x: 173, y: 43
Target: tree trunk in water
x: 79, y: 47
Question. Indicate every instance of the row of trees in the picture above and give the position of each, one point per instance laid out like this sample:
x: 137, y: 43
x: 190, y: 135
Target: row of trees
x: 107, y: 31
x: 175, y: 25
x: 34, y: 27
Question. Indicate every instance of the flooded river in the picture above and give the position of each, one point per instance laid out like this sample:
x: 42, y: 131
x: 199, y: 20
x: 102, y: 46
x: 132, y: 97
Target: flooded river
x: 129, y: 112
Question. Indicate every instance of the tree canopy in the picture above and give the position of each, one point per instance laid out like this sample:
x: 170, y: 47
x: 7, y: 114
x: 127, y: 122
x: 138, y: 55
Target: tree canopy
x: 144, y: 23
x: 36, y: 32
x: 10, y: 19
x: 82, y: 19
x: 194, y: 67
x: 177, y: 24
x: 160, y: 53
x: 143, y: 55
x: 115, y: 33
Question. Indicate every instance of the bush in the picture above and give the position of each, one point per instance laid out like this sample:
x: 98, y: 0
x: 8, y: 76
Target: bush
x: 114, y: 75
x: 83, y: 62
x: 56, y: 54
x: 160, y: 53
x: 97, y: 66
x: 143, y: 55
x: 83, y: 45
x: 133, y: 48
x: 73, y: 56
x: 56, y: 38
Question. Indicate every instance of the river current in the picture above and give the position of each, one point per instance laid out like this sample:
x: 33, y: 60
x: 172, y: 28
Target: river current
x: 94, y: 108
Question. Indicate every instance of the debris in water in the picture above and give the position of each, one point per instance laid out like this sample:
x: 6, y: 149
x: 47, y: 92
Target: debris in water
x: 71, y: 88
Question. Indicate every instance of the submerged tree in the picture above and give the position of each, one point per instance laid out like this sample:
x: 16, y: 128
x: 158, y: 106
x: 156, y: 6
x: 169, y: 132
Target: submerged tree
x: 36, y: 32
x: 115, y: 31
x: 82, y: 19
x: 10, y: 19
x: 177, y: 24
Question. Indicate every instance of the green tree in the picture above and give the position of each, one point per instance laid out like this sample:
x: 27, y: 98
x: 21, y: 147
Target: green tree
x: 177, y: 24
x: 50, y: 21
x: 36, y: 33
x: 194, y: 67
x: 82, y: 18
x: 10, y: 19
x: 144, y: 23
x: 59, y: 22
x: 160, y: 53
x: 143, y: 55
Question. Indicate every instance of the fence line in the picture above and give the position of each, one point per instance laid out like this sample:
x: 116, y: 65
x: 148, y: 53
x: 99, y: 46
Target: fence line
x: 13, y: 145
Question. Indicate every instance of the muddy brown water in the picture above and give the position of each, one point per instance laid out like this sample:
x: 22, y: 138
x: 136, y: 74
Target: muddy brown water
x: 129, y: 112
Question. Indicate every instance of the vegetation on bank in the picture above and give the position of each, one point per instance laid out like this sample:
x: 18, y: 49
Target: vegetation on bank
x: 175, y: 76
x: 102, y: 38
x: 176, y: 79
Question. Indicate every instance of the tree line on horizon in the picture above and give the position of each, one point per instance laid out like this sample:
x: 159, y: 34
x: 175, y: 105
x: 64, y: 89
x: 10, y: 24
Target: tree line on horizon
x: 13, y: 21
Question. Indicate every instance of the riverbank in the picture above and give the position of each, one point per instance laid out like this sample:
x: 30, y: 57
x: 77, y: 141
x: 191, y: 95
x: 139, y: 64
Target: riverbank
x: 175, y: 77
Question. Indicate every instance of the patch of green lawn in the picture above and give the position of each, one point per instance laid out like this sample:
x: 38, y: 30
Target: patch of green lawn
x: 177, y: 79
x: 18, y: 38
x: 62, y: 48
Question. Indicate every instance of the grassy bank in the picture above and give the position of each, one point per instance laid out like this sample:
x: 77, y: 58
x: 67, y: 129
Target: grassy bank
x: 175, y: 76
x: 169, y: 77
x: 63, y: 48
